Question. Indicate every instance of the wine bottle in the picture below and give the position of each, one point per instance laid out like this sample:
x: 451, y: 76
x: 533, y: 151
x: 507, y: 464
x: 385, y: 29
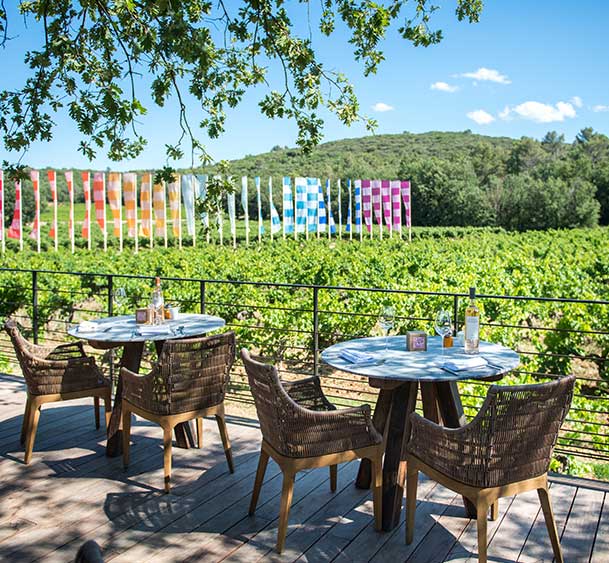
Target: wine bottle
x: 157, y: 303
x: 472, y: 324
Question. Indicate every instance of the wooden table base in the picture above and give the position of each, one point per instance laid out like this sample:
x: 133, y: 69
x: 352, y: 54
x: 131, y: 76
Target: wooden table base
x: 395, y: 404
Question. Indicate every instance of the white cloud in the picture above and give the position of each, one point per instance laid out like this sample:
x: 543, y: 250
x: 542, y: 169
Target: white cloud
x: 541, y: 113
x: 380, y: 106
x: 481, y: 117
x: 599, y: 108
x: 488, y: 75
x: 577, y: 101
x: 505, y: 114
x: 444, y: 87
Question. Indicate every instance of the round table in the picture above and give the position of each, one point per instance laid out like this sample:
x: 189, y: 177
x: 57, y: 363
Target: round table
x: 122, y: 331
x: 398, y: 374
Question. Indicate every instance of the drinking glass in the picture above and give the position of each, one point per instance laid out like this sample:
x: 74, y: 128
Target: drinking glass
x: 443, y: 325
x: 120, y: 297
x: 387, y: 320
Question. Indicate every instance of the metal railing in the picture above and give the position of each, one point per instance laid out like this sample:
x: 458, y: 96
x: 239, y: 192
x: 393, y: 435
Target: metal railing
x: 289, y: 324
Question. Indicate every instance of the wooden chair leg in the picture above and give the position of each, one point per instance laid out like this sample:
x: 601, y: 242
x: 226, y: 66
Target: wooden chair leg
x: 126, y: 434
x: 333, y: 477
x: 96, y: 407
x: 287, y: 490
x: 225, y: 441
x: 546, y: 506
x: 495, y: 510
x: 199, y: 433
x: 262, y: 463
x: 376, y: 466
x: 167, y: 438
x: 26, y: 416
x: 481, y: 519
x: 108, y: 408
x: 412, y: 482
x: 31, y: 431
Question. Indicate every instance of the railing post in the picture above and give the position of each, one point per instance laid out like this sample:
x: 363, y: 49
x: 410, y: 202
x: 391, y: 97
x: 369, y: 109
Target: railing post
x: 110, y: 295
x: 202, y: 296
x: 456, y: 314
x: 316, y: 331
x: 35, y: 305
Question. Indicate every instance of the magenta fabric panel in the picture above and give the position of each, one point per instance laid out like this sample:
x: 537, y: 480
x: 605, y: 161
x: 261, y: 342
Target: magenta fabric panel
x: 396, y: 205
x: 367, y: 203
x: 376, y: 201
x: 406, y: 199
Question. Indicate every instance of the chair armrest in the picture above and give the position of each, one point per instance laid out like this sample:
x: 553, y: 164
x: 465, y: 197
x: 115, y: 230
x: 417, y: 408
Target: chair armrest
x: 139, y: 389
x: 67, y: 351
x: 308, y: 393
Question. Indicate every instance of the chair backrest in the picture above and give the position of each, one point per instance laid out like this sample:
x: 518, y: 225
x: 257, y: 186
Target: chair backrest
x: 270, y: 400
x: 519, y: 425
x: 192, y: 374
x: 25, y: 352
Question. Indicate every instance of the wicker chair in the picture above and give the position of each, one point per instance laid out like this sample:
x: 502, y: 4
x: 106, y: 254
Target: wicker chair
x: 188, y: 382
x: 301, y: 429
x: 504, y: 450
x: 55, y: 374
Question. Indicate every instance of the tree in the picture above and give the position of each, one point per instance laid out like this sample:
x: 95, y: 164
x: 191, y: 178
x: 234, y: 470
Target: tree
x: 93, y: 53
x: 553, y: 143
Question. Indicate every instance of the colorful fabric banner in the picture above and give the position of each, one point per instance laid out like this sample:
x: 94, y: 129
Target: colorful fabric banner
x: 99, y: 199
x: 232, y: 215
x: 288, y: 206
x: 130, y: 197
x: 14, y: 231
x: 396, y: 206
x: 259, y: 204
x: 146, y: 205
x: 2, y: 210
x: 159, y: 206
x: 405, y: 187
x: 35, y: 234
x: 201, y: 193
x: 322, y: 215
x: 188, y: 197
x: 349, y: 226
x: 115, y: 201
x: 358, y: 206
x: 275, y: 221
x: 312, y: 204
x: 376, y: 201
x: 331, y: 222
x: 340, y: 208
x: 366, y: 203
x: 86, y: 224
x: 386, y: 202
x: 300, y: 185
x: 70, y: 182
x: 53, y: 184
x: 245, y: 206
x: 173, y: 193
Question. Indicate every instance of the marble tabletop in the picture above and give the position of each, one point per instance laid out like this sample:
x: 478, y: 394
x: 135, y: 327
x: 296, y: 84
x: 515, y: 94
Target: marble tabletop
x: 397, y: 363
x: 124, y: 328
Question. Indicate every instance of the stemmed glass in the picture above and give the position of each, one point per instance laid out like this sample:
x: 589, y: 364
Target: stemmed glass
x: 443, y: 325
x: 387, y: 320
x: 120, y: 297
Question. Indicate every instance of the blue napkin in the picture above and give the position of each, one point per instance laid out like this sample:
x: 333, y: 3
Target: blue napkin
x: 356, y: 357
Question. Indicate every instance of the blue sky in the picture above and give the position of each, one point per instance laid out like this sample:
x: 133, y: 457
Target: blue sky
x: 524, y: 69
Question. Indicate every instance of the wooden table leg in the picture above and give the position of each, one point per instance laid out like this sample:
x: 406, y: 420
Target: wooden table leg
x: 430, y: 401
x: 379, y: 420
x: 131, y: 359
x: 403, y: 403
x: 184, y: 434
x: 449, y: 402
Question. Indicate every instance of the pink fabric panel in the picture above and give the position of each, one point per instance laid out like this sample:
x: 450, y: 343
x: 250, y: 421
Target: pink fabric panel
x: 367, y: 203
x: 406, y: 199
x: 386, y: 201
x: 376, y: 201
x: 396, y: 205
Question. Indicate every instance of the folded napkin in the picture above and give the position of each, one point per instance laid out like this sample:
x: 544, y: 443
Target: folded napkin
x: 461, y: 364
x: 88, y: 326
x: 153, y: 330
x: 356, y: 357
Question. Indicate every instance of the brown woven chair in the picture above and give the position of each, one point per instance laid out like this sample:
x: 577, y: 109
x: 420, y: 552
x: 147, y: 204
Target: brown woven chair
x: 301, y: 429
x: 55, y: 374
x: 188, y: 382
x: 505, y: 450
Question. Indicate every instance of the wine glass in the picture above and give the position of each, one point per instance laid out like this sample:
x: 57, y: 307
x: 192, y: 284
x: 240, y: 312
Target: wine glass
x: 387, y: 320
x: 443, y: 325
x: 120, y: 297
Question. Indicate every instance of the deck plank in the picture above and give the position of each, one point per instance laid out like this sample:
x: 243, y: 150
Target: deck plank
x: 600, y: 553
x: 578, y: 537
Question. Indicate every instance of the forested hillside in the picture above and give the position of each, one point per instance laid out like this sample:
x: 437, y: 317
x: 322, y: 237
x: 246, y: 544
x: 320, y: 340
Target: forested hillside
x: 458, y: 178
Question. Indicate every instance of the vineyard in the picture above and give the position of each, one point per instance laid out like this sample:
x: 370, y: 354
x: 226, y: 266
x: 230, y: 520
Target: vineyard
x: 553, y: 337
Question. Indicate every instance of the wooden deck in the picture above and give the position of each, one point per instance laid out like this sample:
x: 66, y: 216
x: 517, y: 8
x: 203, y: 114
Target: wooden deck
x: 71, y: 492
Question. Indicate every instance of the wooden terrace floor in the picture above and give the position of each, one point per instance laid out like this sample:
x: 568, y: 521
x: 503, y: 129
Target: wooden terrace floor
x: 72, y: 492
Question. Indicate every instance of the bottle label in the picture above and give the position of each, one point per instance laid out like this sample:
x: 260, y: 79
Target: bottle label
x: 472, y: 328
